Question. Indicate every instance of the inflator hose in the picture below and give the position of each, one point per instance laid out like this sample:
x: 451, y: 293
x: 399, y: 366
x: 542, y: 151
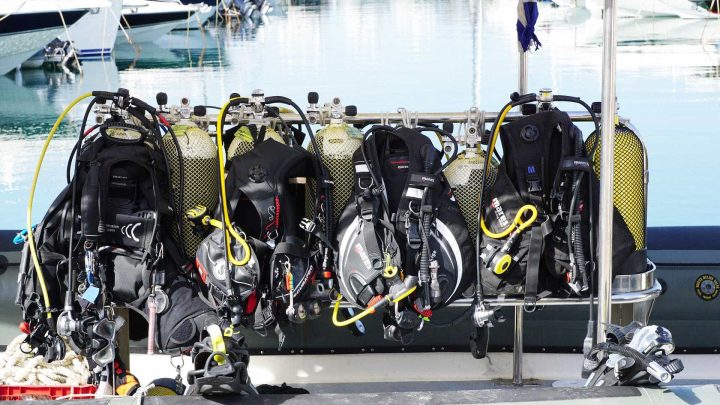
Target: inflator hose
x: 370, y: 309
x: 491, y: 146
x: 76, y: 153
x: 576, y: 240
x: 424, y: 271
x: 229, y: 229
x: 33, y: 186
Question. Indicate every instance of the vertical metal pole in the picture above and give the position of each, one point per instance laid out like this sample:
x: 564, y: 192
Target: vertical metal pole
x: 519, y: 311
x: 522, y: 72
x: 477, y: 10
x: 606, y: 170
x: 518, y: 347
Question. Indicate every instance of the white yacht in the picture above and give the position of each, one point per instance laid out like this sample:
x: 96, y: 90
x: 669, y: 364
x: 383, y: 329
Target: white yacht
x: 655, y: 8
x: 146, y: 21
x: 27, y: 26
x: 93, y: 36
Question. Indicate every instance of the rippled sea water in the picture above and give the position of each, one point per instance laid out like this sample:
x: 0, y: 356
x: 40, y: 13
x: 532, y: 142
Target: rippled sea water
x: 422, y: 55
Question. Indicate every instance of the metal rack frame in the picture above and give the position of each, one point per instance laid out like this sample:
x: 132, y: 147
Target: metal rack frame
x: 638, y: 290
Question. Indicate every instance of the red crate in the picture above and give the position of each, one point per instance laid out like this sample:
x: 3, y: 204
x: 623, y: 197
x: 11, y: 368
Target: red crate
x: 24, y: 392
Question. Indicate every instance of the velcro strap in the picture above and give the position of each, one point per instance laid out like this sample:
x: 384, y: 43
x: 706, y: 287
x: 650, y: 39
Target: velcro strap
x: 414, y: 193
x: 293, y: 249
x: 423, y: 180
x: 366, y: 208
x: 580, y: 164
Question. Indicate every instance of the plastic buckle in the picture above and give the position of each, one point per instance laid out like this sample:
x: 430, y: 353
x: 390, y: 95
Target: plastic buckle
x: 534, y: 186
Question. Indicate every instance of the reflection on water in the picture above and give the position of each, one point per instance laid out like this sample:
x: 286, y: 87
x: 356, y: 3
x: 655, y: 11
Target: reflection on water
x: 195, y: 49
x: 379, y: 55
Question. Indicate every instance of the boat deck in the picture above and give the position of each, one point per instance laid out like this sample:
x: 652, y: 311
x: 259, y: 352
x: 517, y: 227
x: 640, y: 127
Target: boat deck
x: 686, y: 394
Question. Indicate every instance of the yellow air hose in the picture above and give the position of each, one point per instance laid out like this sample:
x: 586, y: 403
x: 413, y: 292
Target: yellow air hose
x: 229, y: 229
x: 33, y: 185
x: 369, y: 310
x: 518, y: 221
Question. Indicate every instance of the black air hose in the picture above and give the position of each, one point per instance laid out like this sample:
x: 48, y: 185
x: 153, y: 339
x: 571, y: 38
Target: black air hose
x: 424, y: 273
x: 74, y: 181
x: 576, y: 238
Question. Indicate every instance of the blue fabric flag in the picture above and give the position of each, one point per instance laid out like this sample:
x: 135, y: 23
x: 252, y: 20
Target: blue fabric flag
x: 527, y: 17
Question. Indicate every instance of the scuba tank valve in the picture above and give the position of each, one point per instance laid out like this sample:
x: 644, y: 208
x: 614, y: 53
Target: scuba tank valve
x: 313, y: 111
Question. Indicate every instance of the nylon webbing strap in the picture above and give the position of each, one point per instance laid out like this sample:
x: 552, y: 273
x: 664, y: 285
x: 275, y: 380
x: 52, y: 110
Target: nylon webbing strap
x: 293, y: 249
x: 533, y: 268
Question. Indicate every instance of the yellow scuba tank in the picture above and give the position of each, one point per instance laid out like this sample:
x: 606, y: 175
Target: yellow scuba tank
x: 465, y: 178
x: 466, y: 172
x: 258, y: 125
x: 337, y: 142
x: 200, y: 165
x: 630, y: 179
x: 243, y: 141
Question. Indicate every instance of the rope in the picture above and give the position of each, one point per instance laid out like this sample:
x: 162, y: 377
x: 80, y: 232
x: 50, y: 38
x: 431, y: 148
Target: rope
x: 67, y: 33
x: 14, y: 11
x: 125, y: 33
x: 18, y: 368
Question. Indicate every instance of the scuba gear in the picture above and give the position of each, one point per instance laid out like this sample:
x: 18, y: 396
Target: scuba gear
x: 629, y: 197
x: 260, y: 125
x: 632, y: 355
x: 465, y: 173
x: 337, y: 142
x: 266, y: 185
x: 262, y: 209
x: 402, y: 226
x: 533, y: 222
x: 244, y: 140
x: 213, y: 268
x: 198, y: 155
x: 104, y: 241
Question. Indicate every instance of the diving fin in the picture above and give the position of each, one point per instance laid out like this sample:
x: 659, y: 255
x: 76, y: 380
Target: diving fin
x: 220, y: 366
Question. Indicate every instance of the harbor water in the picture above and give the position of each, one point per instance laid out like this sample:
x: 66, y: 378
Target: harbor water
x: 381, y: 55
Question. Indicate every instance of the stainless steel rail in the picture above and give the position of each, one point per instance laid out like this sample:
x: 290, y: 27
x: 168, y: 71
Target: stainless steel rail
x: 633, y: 297
x: 624, y: 297
x: 395, y: 118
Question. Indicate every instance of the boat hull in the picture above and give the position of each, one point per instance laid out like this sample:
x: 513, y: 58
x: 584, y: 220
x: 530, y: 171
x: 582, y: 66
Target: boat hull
x: 93, y: 36
x: 22, y: 35
x: 654, y: 8
x: 147, y: 21
x: 199, y: 19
